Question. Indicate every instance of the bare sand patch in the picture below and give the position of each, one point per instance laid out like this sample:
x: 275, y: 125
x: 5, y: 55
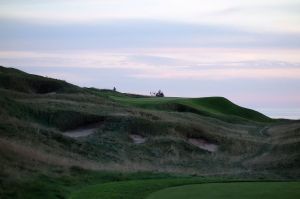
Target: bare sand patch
x: 203, y: 144
x: 137, y: 139
x: 82, y: 131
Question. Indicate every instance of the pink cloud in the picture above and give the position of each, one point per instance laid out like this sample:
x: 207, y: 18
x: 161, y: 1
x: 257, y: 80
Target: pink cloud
x: 228, y: 73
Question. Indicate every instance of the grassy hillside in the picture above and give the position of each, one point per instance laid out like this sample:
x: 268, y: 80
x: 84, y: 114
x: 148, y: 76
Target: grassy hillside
x: 217, y: 107
x: 17, y: 80
x: 57, y: 137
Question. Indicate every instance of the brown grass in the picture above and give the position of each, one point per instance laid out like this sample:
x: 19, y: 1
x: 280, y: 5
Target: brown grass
x: 35, y: 156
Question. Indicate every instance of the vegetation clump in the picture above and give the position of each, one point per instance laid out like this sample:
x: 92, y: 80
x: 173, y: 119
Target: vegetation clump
x: 159, y: 93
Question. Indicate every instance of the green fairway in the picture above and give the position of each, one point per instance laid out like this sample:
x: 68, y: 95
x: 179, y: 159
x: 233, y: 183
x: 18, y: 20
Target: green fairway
x: 133, y: 189
x: 245, y: 190
x: 189, y: 189
x: 217, y: 107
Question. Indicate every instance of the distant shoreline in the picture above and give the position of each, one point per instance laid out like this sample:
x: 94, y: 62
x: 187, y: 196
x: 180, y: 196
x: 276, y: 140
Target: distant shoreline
x: 284, y: 113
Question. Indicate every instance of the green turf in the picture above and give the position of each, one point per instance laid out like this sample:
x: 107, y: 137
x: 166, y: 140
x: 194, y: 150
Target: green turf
x: 62, y: 183
x: 135, y: 189
x: 217, y: 107
x: 244, y: 190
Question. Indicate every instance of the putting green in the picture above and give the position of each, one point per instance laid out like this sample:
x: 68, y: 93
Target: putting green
x: 243, y: 190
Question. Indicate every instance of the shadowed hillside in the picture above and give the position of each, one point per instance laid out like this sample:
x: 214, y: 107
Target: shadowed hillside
x: 17, y: 80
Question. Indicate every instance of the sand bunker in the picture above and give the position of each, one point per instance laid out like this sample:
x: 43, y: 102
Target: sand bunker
x: 137, y: 139
x: 203, y: 144
x: 83, y: 131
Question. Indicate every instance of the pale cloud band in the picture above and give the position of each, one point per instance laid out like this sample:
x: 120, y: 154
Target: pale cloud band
x: 278, y: 15
x: 174, y: 64
x: 23, y: 35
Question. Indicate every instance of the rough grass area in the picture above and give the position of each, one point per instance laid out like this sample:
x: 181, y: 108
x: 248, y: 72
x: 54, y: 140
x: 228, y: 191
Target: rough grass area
x: 244, y: 190
x: 17, y: 80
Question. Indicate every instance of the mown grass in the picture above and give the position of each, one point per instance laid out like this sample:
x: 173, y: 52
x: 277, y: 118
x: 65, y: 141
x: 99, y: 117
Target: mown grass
x: 190, y: 188
x: 217, y: 107
x: 134, y: 189
x: 244, y: 190
x: 61, y: 184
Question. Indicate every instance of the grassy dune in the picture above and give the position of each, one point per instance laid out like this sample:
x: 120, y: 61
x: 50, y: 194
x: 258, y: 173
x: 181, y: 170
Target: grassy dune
x: 36, y: 112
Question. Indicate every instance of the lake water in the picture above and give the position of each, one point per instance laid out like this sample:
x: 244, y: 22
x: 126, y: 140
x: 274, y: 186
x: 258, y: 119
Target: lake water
x: 288, y: 113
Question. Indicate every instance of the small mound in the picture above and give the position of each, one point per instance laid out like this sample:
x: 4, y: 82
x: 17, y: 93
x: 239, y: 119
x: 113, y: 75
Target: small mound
x: 222, y: 106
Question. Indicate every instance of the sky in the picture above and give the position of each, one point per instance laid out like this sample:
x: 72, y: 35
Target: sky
x: 247, y: 51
